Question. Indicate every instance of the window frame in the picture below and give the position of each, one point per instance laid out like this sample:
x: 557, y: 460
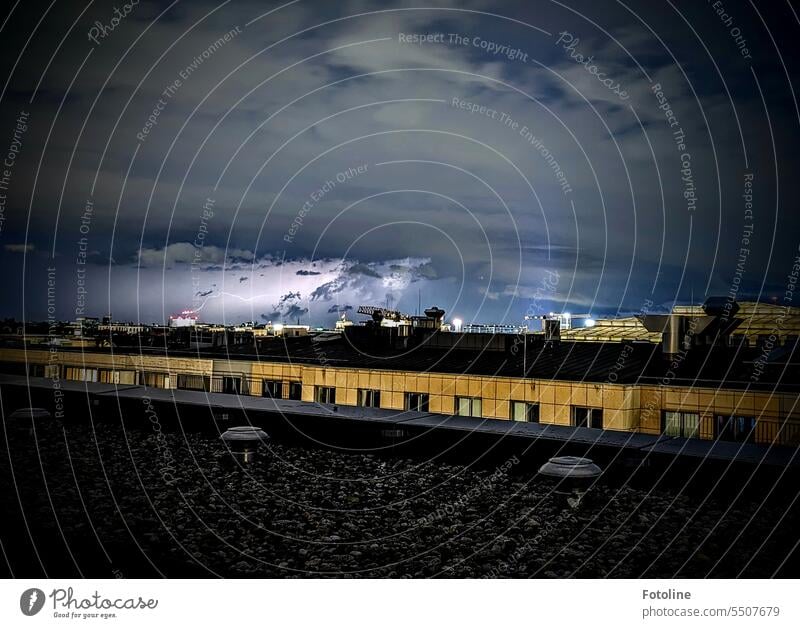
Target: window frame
x: 472, y: 402
x: 732, y: 423
x: 369, y: 398
x: 592, y: 416
x: 682, y: 431
x: 267, y: 384
x: 423, y: 398
x: 531, y: 409
x: 295, y: 391
x: 329, y: 394
x: 192, y: 381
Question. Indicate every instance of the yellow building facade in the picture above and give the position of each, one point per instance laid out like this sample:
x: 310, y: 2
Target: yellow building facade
x: 649, y: 409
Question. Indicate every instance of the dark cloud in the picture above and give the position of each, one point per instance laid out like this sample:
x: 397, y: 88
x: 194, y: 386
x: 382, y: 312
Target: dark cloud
x: 339, y: 309
x: 425, y: 271
x: 476, y: 220
x: 290, y: 296
x: 295, y: 311
x: 363, y: 269
x: 326, y: 291
x: 189, y: 253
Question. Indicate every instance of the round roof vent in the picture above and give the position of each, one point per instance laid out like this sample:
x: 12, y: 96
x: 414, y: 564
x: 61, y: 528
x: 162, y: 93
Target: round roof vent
x: 243, y: 441
x: 243, y: 434
x: 31, y: 414
x: 571, y: 468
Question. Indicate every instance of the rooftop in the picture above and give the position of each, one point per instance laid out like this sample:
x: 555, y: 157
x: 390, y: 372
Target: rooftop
x: 507, y: 356
x: 756, y: 454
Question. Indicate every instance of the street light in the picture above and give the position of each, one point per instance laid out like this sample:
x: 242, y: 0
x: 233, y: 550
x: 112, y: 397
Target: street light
x: 457, y: 323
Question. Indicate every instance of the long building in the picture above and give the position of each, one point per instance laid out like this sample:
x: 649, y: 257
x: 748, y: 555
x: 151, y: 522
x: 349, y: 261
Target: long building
x: 695, y: 385
x: 758, y: 322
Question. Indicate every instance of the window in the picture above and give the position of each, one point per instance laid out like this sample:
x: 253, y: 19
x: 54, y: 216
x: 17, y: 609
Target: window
x: 194, y: 382
x: 369, y: 398
x: 736, y: 428
x: 468, y: 406
x: 117, y: 377
x: 82, y: 375
x: 231, y: 385
x: 587, y: 417
x: 153, y: 380
x: 43, y: 370
x: 295, y: 391
x: 417, y: 402
x: 272, y: 388
x: 524, y: 411
x: 325, y: 394
x: 683, y: 424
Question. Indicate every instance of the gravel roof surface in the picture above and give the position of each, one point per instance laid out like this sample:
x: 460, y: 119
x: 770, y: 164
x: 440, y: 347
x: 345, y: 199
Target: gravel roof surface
x: 143, y: 502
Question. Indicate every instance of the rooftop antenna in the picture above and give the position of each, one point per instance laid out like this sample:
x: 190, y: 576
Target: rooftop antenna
x: 419, y: 300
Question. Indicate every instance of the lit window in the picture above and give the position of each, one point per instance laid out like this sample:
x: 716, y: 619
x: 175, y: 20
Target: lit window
x: 681, y: 424
x: 468, y: 406
x: 369, y: 398
x: 524, y: 411
x: 326, y: 394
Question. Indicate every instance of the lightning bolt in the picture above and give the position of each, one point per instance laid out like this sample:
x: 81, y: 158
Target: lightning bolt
x: 32, y: 601
x: 217, y: 295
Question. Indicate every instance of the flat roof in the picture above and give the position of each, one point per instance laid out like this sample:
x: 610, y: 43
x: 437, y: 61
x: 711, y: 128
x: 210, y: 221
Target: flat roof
x: 757, y: 454
x: 579, y: 361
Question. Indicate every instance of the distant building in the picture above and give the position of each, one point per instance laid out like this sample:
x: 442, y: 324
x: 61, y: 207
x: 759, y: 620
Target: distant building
x: 342, y: 323
x: 85, y: 326
x: 696, y: 382
x: 187, y: 318
x: 758, y: 321
x: 492, y: 328
x: 282, y: 329
x: 121, y: 328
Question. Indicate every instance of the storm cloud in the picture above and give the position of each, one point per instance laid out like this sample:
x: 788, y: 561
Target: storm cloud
x: 317, y: 152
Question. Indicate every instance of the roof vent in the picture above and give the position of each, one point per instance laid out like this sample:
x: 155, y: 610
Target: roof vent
x: 28, y: 419
x: 31, y: 414
x: 244, y: 441
x: 571, y: 467
x: 573, y: 475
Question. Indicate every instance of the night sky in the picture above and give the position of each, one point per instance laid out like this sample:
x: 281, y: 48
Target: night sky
x: 290, y: 161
